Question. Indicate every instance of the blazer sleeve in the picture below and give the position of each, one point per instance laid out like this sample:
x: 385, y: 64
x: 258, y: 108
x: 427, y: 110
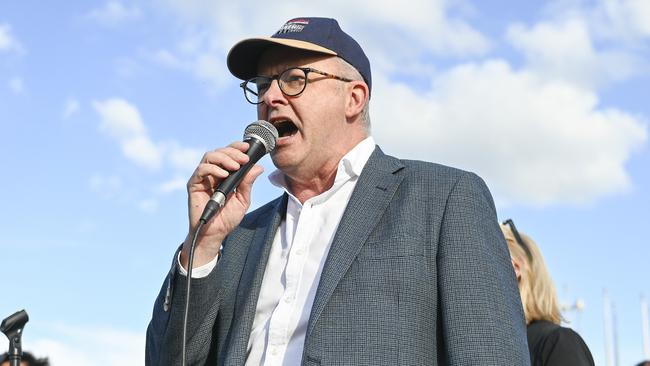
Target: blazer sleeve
x: 480, y: 309
x: 165, y: 330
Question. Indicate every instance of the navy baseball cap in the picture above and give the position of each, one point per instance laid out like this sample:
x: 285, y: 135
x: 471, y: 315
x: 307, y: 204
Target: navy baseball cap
x: 322, y: 35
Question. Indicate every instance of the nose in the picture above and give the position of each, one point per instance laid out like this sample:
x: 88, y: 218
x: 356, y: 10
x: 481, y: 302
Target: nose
x: 273, y: 95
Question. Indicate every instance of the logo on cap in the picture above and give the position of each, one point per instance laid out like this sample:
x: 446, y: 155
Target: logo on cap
x: 293, y: 26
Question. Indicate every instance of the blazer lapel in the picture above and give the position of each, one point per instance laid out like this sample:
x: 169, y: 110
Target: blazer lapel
x: 251, y: 283
x: 374, y: 190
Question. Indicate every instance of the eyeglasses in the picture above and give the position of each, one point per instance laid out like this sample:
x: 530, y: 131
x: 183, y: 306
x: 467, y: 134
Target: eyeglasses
x: 518, y: 238
x: 292, y: 82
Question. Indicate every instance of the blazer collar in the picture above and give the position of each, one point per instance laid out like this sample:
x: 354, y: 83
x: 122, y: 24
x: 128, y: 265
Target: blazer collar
x: 376, y: 186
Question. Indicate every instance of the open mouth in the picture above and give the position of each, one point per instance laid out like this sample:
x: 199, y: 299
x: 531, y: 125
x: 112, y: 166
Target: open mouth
x: 285, y: 128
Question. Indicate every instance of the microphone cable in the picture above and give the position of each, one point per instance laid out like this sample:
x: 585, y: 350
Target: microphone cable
x: 262, y: 137
x: 188, y: 288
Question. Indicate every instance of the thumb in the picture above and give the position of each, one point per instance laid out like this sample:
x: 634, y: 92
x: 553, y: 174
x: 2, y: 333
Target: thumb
x: 250, y: 177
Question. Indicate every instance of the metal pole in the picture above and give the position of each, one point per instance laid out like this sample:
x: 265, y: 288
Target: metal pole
x: 645, y: 325
x: 606, y: 330
x: 615, y: 335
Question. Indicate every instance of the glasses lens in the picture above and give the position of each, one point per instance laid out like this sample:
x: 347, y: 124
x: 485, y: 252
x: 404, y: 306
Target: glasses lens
x: 255, y: 88
x: 292, y: 81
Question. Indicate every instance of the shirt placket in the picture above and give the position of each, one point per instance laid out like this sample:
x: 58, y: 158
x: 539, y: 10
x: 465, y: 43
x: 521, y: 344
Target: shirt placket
x: 282, y: 315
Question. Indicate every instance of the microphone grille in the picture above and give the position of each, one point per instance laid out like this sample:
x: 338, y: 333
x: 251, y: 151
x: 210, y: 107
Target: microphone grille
x: 263, y: 131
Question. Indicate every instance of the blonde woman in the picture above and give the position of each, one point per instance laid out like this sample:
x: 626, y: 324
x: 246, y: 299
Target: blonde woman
x: 548, y: 342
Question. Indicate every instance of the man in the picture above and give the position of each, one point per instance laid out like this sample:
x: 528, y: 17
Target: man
x: 365, y: 260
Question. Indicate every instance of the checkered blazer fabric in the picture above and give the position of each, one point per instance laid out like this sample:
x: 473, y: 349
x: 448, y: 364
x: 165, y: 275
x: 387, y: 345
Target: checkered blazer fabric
x: 418, y: 273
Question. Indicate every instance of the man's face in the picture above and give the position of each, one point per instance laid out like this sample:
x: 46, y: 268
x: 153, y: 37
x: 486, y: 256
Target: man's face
x: 312, y: 125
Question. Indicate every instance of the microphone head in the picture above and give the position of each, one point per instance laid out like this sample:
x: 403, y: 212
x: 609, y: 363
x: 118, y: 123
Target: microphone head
x: 264, y: 132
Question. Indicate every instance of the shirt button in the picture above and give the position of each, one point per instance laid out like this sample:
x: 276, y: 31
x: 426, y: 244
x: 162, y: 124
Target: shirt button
x: 300, y: 251
x: 274, y: 351
x: 288, y: 299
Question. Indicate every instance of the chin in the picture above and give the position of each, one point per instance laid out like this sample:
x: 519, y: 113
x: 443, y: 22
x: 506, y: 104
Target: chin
x: 281, y: 161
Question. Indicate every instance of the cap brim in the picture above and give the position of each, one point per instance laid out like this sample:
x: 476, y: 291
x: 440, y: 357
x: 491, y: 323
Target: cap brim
x: 243, y: 57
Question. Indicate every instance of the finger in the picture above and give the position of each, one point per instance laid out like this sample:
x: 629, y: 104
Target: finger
x: 247, y: 183
x: 227, y: 157
x: 207, y: 186
x: 207, y: 173
x: 240, y: 145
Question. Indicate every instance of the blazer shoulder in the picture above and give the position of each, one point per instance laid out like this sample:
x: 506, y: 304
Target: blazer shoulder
x: 442, y: 174
x: 437, y: 179
x: 414, y: 168
x: 420, y: 167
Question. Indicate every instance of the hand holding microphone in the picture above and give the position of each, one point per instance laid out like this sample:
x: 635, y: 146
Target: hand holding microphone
x: 210, y: 189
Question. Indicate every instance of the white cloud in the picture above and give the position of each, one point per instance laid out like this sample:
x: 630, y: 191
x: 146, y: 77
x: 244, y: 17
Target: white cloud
x: 120, y: 118
x: 427, y: 22
x: 141, y: 150
x: 7, y: 40
x: 114, y: 13
x: 400, y: 38
x: 122, y: 121
x: 17, y: 86
x: 71, y: 108
x: 183, y: 158
x: 77, y: 346
x: 423, y: 28
x: 565, y: 50
x: 535, y: 141
x: 205, y: 65
x: 626, y: 20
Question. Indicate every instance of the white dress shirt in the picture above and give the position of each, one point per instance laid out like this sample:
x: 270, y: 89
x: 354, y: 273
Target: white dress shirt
x: 296, y: 260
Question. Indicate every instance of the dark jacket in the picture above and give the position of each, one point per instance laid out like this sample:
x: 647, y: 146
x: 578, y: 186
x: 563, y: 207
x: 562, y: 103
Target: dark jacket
x: 553, y: 345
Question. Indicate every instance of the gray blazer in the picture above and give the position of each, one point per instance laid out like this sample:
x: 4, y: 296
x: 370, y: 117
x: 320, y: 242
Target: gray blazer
x: 418, y: 274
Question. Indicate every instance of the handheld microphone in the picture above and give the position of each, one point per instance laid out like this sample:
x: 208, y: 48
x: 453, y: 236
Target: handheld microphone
x: 261, y: 137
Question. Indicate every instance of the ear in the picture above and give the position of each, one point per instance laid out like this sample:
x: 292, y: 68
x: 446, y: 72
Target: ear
x: 517, y: 267
x: 358, y: 94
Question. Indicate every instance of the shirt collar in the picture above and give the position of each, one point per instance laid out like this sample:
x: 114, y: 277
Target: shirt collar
x: 349, y: 167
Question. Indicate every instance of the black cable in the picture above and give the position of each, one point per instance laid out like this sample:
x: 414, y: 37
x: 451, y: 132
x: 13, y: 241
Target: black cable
x: 261, y: 137
x: 189, y: 283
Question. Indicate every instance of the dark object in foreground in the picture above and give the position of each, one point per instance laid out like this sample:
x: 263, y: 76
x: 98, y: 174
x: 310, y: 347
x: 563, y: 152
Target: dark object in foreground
x: 12, y: 326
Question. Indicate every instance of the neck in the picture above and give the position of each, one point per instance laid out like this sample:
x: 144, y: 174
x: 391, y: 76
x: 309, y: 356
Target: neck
x: 306, y: 183
x: 306, y: 187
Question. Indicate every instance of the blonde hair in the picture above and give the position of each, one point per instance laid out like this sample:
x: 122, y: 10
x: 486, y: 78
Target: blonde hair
x: 536, y: 288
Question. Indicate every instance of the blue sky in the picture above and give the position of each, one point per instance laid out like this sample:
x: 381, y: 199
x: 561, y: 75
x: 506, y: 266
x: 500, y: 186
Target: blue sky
x: 106, y: 107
